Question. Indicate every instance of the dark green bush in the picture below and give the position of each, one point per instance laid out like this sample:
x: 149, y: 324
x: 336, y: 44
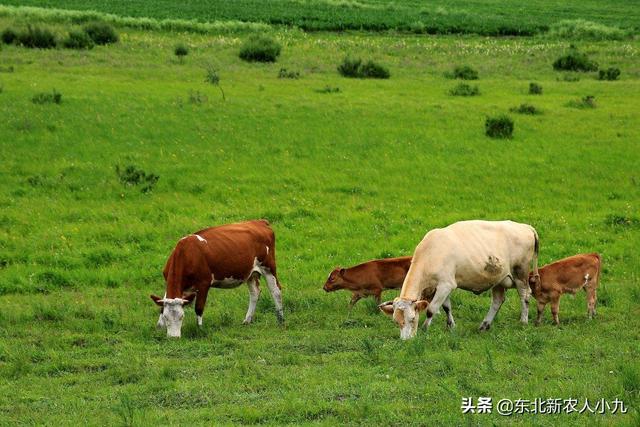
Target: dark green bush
x: 37, y: 38
x: 525, y: 109
x: 464, y: 89
x: 328, y: 89
x: 101, y: 33
x: 535, y: 89
x: 132, y: 176
x: 181, y: 50
x: 499, y: 127
x: 47, y: 98
x: 9, y: 35
x: 288, y: 74
x: 355, y: 68
x: 575, y: 61
x: 78, y: 40
x: 609, y: 74
x: 260, y: 48
x: 464, y: 72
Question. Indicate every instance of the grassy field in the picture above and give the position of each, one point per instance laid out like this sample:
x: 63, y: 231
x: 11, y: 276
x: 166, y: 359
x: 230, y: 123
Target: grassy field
x: 343, y: 177
x: 489, y: 17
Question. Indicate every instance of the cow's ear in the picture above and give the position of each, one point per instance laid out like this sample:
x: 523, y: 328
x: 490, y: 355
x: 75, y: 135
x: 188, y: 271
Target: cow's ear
x: 159, y: 301
x: 387, y: 308
x: 422, y: 305
x: 188, y: 299
x: 342, y: 271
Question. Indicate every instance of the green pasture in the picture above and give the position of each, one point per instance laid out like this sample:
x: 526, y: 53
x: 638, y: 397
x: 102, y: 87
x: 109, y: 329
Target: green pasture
x: 343, y: 177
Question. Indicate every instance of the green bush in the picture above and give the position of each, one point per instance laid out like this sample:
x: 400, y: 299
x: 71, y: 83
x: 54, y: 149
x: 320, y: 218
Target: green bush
x: 535, y: 89
x: 609, y: 74
x: 9, y: 35
x: 47, y: 98
x: 181, y: 50
x: 525, y: 109
x: 579, y: 29
x: 464, y: 72
x: 464, y: 89
x: 575, y: 61
x: 355, y: 68
x: 328, y: 89
x: 78, y: 40
x: 588, y: 101
x: 499, y: 127
x: 101, y: 33
x: 287, y: 74
x: 260, y: 48
x: 37, y: 38
x: 132, y: 176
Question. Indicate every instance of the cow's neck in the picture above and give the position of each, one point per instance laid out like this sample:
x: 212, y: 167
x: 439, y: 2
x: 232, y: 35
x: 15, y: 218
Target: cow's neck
x: 411, y: 288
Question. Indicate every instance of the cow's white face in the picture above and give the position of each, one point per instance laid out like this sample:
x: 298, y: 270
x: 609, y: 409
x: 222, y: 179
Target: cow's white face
x: 172, y: 313
x: 406, y: 314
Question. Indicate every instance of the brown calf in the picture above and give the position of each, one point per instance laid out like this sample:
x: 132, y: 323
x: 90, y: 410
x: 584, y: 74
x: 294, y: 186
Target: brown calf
x: 567, y: 275
x: 369, y: 278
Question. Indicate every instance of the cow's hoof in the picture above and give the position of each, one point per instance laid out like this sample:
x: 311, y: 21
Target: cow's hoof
x: 247, y: 321
x: 485, y: 326
x: 451, y: 325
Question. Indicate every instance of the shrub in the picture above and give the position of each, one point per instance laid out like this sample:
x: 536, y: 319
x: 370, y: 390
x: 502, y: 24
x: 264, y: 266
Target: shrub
x: 526, y: 109
x: 609, y: 74
x: 464, y: 89
x: 181, y: 50
x: 47, y: 98
x: 37, y: 38
x: 569, y: 78
x: 535, y: 89
x: 9, y: 35
x: 132, y: 176
x: 588, y: 101
x: 328, y: 89
x: 499, y: 127
x: 575, y: 61
x: 355, y: 68
x: 464, y: 72
x: 286, y: 74
x: 585, y: 30
x: 260, y: 48
x: 78, y: 40
x: 101, y: 33
x: 214, y: 78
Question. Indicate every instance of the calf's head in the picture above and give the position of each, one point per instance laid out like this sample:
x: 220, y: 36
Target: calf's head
x: 335, y: 280
x: 405, y: 313
x: 172, y: 313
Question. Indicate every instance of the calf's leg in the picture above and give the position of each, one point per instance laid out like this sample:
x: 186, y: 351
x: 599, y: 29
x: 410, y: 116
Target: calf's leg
x: 254, y: 294
x: 591, y: 299
x: 497, y: 294
x: 555, y: 307
x: 541, y: 306
x: 354, y: 299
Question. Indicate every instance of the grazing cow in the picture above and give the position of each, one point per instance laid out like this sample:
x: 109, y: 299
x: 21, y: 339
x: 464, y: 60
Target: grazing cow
x: 568, y: 275
x: 369, y: 278
x: 471, y: 255
x: 219, y: 257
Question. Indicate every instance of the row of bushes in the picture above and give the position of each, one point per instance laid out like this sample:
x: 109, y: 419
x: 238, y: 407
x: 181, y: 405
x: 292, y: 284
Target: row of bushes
x: 96, y: 33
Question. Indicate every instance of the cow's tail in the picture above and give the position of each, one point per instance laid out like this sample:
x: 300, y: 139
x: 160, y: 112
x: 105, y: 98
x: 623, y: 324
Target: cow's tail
x: 536, y: 249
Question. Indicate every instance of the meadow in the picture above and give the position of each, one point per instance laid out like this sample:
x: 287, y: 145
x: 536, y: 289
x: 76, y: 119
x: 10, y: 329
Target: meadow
x: 487, y: 17
x: 343, y: 176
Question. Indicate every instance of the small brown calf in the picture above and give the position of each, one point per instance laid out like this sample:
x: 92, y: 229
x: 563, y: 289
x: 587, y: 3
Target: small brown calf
x: 567, y: 275
x: 369, y: 278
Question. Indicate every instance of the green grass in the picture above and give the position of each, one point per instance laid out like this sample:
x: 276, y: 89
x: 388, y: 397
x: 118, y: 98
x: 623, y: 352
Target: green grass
x: 343, y: 178
x: 488, y: 17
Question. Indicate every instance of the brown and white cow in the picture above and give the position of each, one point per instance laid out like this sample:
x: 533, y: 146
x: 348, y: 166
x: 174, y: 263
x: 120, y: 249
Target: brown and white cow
x: 471, y: 255
x: 567, y: 275
x: 369, y: 278
x: 219, y: 257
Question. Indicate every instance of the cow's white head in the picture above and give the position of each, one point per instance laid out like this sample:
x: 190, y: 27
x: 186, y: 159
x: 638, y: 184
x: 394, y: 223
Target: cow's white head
x: 172, y: 313
x: 405, y: 313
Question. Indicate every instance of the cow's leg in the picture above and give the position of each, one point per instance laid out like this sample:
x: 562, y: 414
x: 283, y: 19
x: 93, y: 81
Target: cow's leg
x: 497, y: 294
x: 254, y: 294
x: 541, y: 306
x: 354, y: 299
x: 201, y: 301
x: 524, y: 291
x: 555, y: 307
x: 443, y: 290
x: 447, y: 309
x: 591, y: 299
x: 272, y: 283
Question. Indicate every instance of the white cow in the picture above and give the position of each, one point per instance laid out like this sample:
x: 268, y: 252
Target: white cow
x: 471, y: 255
